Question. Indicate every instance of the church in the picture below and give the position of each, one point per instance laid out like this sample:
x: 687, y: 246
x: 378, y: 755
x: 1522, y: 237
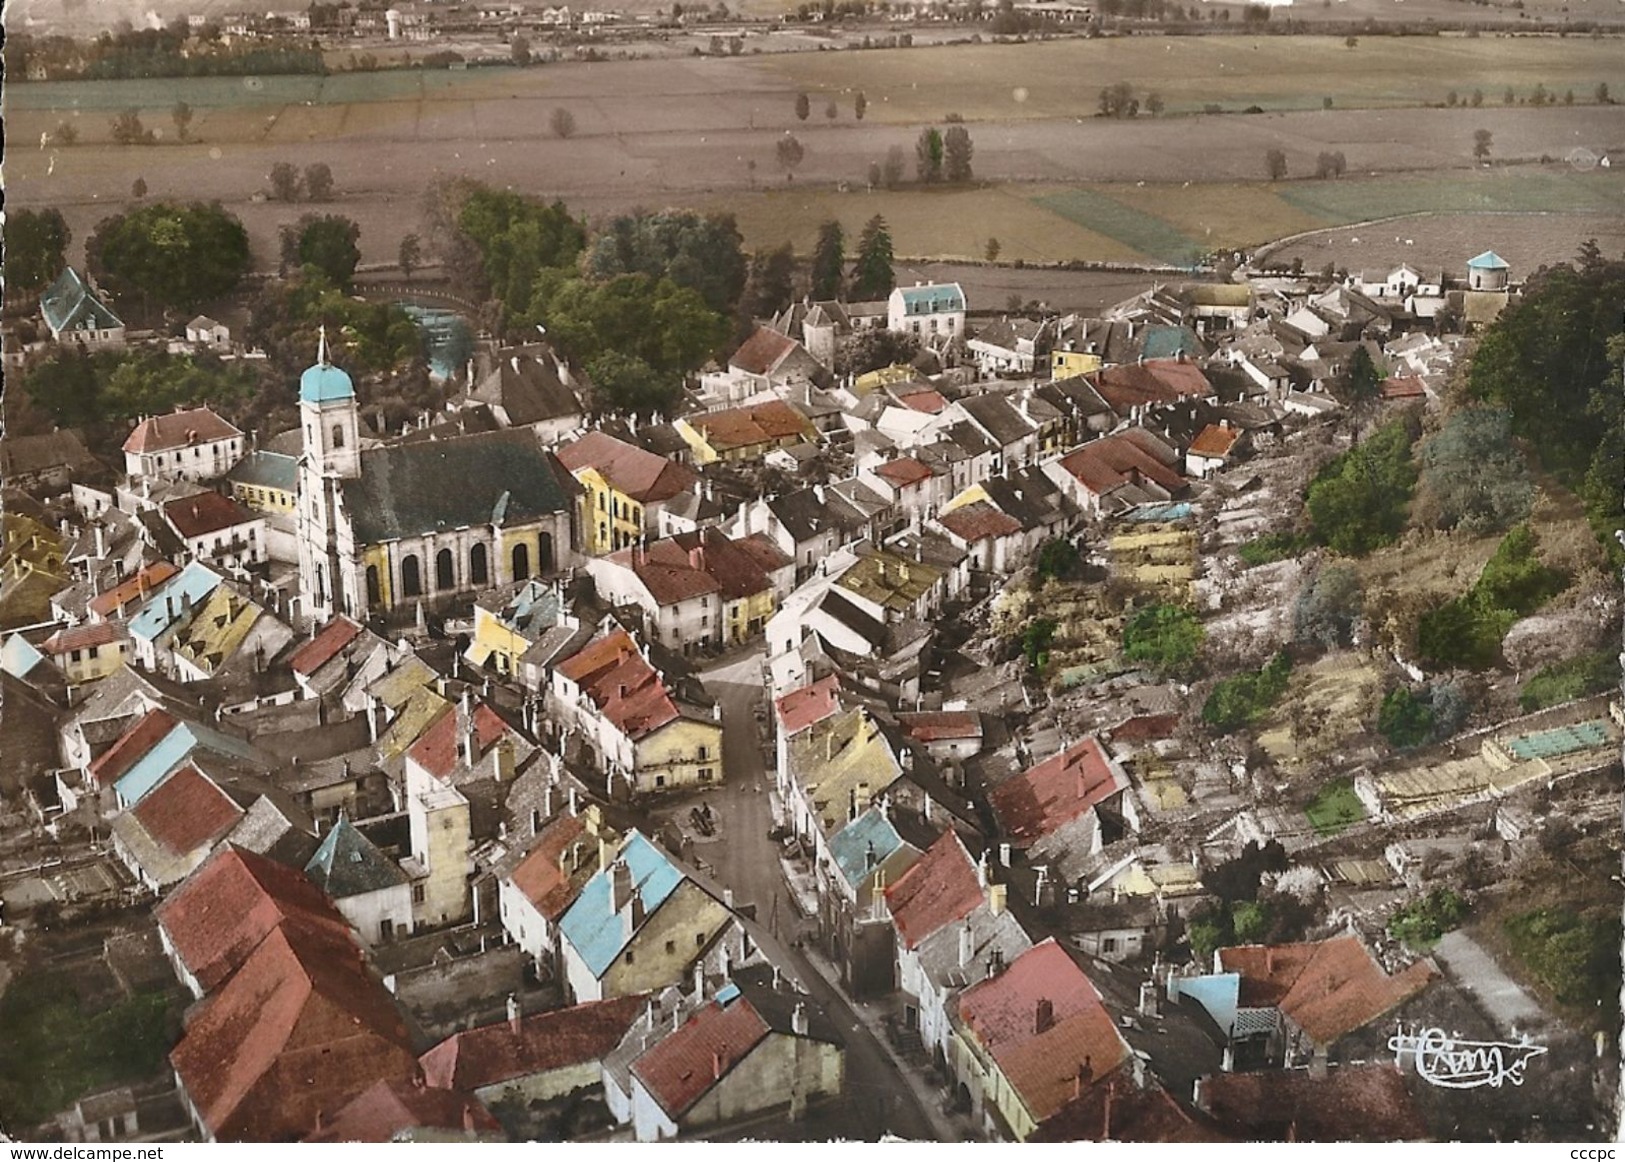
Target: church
x: 387, y: 527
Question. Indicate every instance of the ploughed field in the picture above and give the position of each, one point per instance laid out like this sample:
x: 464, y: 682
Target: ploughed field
x: 1053, y: 182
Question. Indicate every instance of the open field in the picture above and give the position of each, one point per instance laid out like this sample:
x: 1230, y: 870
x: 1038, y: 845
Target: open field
x: 1329, y: 697
x: 1438, y: 241
x: 702, y: 132
x: 1005, y: 82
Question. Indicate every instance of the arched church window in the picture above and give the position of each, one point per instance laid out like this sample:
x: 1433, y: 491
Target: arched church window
x: 411, y: 580
x: 478, y: 568
x: 444, y: 577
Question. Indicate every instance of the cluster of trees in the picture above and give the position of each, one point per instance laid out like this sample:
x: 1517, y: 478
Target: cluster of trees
x: 889, y: 174
x: 370, y: 339
x: 872, y: 276
x: 169, y: 256
x: 172, y: 51
x: 1118, y: 100
x: 36, y: 248
x: 100, y: 392
x: 1245, y: 698
x: 1358, y: 502
x: 702, y: 252
x: 326, y: 242
x: 127, y: 129
x: 1411, y: 718
x: 943, y: 156
x: 1575, y: 955
x: 289, y: 184
x: 1245, y: 912
x: 1330, y: 164
x: 1328, y: 607
x: 1421, y: 922
x: 1553, y: 361
x: 865, y: 351
x: 1473, y: 477
x: 1467, y: 630
x: 1166, y: 637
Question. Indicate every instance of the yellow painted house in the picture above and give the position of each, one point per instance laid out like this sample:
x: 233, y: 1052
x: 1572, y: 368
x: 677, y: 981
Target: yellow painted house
x: 624, y: 488
x: 1066, y: 364
x: 266, y: 482
x: 509, y: 621
x: 86, y: 653
x: 745, y: 433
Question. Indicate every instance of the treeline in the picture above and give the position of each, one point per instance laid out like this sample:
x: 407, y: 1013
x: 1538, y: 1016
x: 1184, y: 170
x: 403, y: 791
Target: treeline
x: 146, y: 53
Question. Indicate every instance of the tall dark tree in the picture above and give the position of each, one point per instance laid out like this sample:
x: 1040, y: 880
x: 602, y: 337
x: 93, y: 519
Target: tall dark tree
x: 181, y: 114
x: 1360, y: 386
x: 318, y: 182
x: 410, y: 255
x: 957, y: 150
x: 928, y: 156
x: 771, y: 284
x: 893, y: 169
x: 36, y: 243
x: 1482, y: 140
x: 790, y: 153
x: 169, y: 255
x: 326, y: 242
x: 803, y: 106
x: 860, y: 105
x: 829, y: 262
x: 128, y: 130
x: 284, y: 180
x: 872, y: 276
x: 1275, y: 164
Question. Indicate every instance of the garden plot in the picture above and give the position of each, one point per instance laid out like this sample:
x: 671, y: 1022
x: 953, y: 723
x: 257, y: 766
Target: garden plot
x: 1325, y: 707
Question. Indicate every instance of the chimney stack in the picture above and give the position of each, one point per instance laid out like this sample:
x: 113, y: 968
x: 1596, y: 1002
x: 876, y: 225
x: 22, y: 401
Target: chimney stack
x: 1199, y: 1095
x: 513, y: 1013
x: 620, y: 886
x: 1043, y: 1015
x: 699, y: 982
x: 967, y: 946
x: 997, y: 898
x: 798, y: 1019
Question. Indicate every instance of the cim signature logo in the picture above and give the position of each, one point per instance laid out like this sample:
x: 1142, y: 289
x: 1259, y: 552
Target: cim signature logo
x: 1444, y: 1061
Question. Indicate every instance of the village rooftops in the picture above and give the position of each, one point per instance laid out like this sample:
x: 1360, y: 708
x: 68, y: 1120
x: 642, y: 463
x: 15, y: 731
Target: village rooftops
x: 1155, y: 381
x: 438, y: 750
x: 81, y: 637
x: 1489, y: 260
x: 627, y: 468
x: 903, y: 472
x: 694, y: 564
x: 349, y: 864
x: 769, y: 353
x: 979, y: 521
x: 69, y: 304
x: 930, y: 726
x: 1215, y: 441
x: 187, y: 811
x: 844, y: 762
x: 501, y: 478
x: 325, y: 646
x: 1043, y: 1022
x: 1105, y: 464
x: 931, y: 298
x: 530, y: 1044
x: 396, y: 1111
x: 261, y: 469
x: 592, y: 925
x: 1353, y: 1103
x: 172, y: 600
x: 942, y: 887
x: 622, y: 684
x: 1056, y: 791
x: 528, y: 389
x: 1328, y: 989
x: 771, y: 422
x: 863, y: 845
x: 564, y: 858
x: 181, y: 428
x: 800, y: 709
x: 890, y: 580
x: 683, y: 1066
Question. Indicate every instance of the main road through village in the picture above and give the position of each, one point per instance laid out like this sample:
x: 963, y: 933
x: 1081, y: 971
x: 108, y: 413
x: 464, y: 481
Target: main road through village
x: 742, y: 858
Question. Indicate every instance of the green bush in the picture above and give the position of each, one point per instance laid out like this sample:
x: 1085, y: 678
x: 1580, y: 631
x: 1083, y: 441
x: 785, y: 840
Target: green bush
x: 1575, y: 956
x: 1166, y: 637
x: 1467, y: 631
x: 1358, y: 501
x: 1057, y: 559
x: 1271, y: 547
x: 1327, y: 607
x: 1420, y: 923
x: 1567, y: 680
x: 1035, y: 642
x: 1244, y: 699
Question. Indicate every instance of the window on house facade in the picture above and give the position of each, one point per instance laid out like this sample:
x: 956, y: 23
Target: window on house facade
x: 629, y: 956
x: 418, y: 894
x: 705, y: 774
x: 671, y: 947
x: 660, y: 780
x: 699, y: 940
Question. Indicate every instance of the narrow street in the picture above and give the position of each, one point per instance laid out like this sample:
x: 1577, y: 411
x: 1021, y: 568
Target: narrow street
x: 743, y: 859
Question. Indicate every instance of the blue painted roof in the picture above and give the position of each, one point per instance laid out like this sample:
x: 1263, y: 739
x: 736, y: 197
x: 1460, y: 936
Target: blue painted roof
x: 195, y: 581
x: 322, y: 382
x: 1218, y: 993
x: 926, y: 300
x: 533, y: 609
x: 18, y: 656
x: 850, y: 848
x: 1160, y: 512
x: 1169, y: 342
x: 727, y: 993
x: 170, y: 752
x: 596, y: 933
x: 1489, y: 260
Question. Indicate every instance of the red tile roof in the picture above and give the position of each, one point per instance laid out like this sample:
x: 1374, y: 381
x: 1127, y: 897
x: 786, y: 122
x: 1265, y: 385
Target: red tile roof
x: 680, y: 1069
x: 767, y: 554
x: 903, y: 471
x: 222, y: 912
x: 179, y: 430
x: 541, y: 876
x: 940, y: 725
x: 930, y: 401
x: 301, y: 1028
x: 1120, y: 1111
x: 207, y: 512
x: 1112, y: 461
x: 1353, y: 1103
x: 762, y: 352
x: 1214, y: 441
x: 438, y: 749
x: 147, y: 733
x: 187, y: 811
x: 939, y: 889
x: 799, y: 709
x: 629, y: 469
x: 1144, y: 728
x: 746, y: 427
x: 689, y: 565
x: 493, y: 1054
x: 1043, y: 1022
x: 1130, y: 385
x: 979, y: 521
x: 389, y: 1109
x: 79, y: 637
x: 1328, y: 989
x: 325, y: 646
x: 1404, y: 387
x: 626, y: 689
x: 1056, y: 791
x: 145, y: 581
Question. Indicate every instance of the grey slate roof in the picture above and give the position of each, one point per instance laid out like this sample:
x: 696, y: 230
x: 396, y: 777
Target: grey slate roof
x: 527, y: 388
x: 496, y: 478
x: 349, y: 864
x: 260, y: 469
x: 69, y: 304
